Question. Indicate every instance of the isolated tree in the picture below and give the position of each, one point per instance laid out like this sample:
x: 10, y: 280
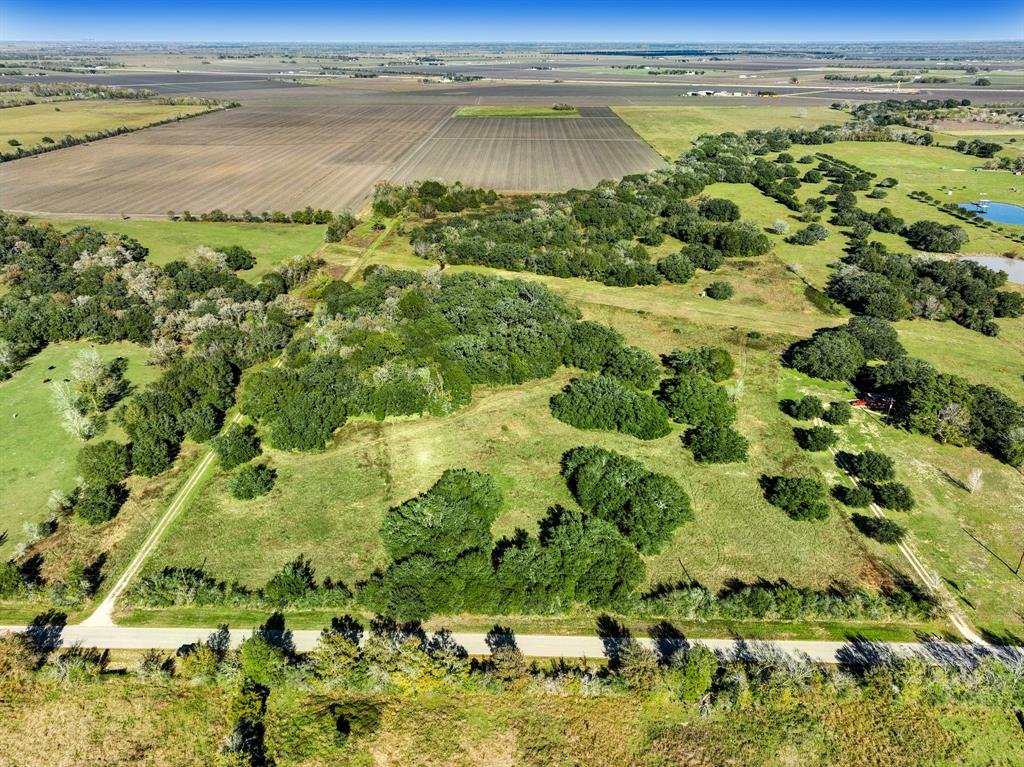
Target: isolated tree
x: 633, y: 365
x: 696, y: 667
x: 881, y: 529
x: 252, y: 481
x: 807, y: 408
x: 838, y: 413
x: 291, y: 583
x: 97, y: 504
x: 893, y: 495
x: 869, y: 466
x: 816, y: 438
x: 677, y: 268
x: 714, y: 443
x: 606, y: 403
x: 934, y: 237
x: 799, y: 497
x: 713, y: 361
x: 719, y: 290
x: 644, y: 506
x: 833, y: 356
x: 974, y: 481
x: 696, y: 399
x: 236, y: 445
x: 719, y: 209
x: 858, y: 496
x: 452, y: 517
x: 589, y: 344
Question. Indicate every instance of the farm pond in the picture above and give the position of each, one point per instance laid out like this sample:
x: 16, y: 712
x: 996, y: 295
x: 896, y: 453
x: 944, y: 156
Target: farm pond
x: 999, y: 212
x: 1013, y: 267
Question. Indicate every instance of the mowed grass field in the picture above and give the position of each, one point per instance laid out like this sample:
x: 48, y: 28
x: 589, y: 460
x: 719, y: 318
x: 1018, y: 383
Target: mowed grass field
x: 36, y: 454
x: 512, y: 110
x: 170, y: 240
x: 671, y: 129
x: 29, y: 124
x: 329, y: 505
x: 947, y: 515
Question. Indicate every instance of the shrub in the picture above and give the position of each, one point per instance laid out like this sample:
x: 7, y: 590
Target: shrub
x: 589, y: 344
x: 881, y: 529
x: 877, y: 338
x: 252, y: 481
x: 638, y: 667
x: 677, y: 268
x: 858, y: 496
x: 713, y: 443
x: 104, y: 463
x: 809, y: 235
x: 831, y: 355
x: 238, y: 258
x: 816, y: 438
x: 869, y: 466
x: 933, y: 237
x: 100, y: 503
x: 606, y: 403
x: 703, y: 256
x: 714, y: 362
x: 695, y: 669
x: 261, y: 661
x: 342, y: 224
x: 719, y: 209
x: 236, y: 445
x: 806, y: 408
x: 696, y: 400
x: 12, y: 579
x: 634, y: 366
x: 800, y: 498
x: 893, y: 495
x: 838, y: 413
x: 720, y: 290
x: 645, y: 507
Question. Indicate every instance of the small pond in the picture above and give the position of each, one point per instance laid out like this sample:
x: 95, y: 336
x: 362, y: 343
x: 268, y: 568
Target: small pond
x: 999, y: 212
x: 1012, y: 266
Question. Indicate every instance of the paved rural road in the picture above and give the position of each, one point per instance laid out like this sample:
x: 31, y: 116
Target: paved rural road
x: 549, y: 646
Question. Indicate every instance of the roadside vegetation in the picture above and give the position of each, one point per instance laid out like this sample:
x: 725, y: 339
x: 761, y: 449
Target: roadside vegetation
x: 393, y: 691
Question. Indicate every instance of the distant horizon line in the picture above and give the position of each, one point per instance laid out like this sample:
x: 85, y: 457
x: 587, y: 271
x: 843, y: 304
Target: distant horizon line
x: 759, y: 43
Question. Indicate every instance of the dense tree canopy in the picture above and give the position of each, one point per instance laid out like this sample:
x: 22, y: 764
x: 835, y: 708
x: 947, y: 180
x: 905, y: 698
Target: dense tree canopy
x: 606, y: 403
x: 644, y: 506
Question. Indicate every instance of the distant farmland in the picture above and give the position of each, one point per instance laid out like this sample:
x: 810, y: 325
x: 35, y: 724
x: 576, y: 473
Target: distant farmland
x: 526, y: 154
x: 248, y: 158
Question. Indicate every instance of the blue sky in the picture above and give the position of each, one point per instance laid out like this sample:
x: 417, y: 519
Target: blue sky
x: 513, y: 20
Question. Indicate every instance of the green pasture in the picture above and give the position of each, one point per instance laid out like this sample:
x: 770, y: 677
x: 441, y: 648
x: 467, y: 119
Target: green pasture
x: 36, y: 454
x: 513, y: 110
x: 670, y: 130
x: 29, y: 124
x: 170, y: 240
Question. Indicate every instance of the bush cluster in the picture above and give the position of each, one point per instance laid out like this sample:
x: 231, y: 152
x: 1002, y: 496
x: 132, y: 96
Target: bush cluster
x: 645, y: 507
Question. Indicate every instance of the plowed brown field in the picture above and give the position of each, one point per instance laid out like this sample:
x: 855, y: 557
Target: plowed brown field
x: 246, y: 158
